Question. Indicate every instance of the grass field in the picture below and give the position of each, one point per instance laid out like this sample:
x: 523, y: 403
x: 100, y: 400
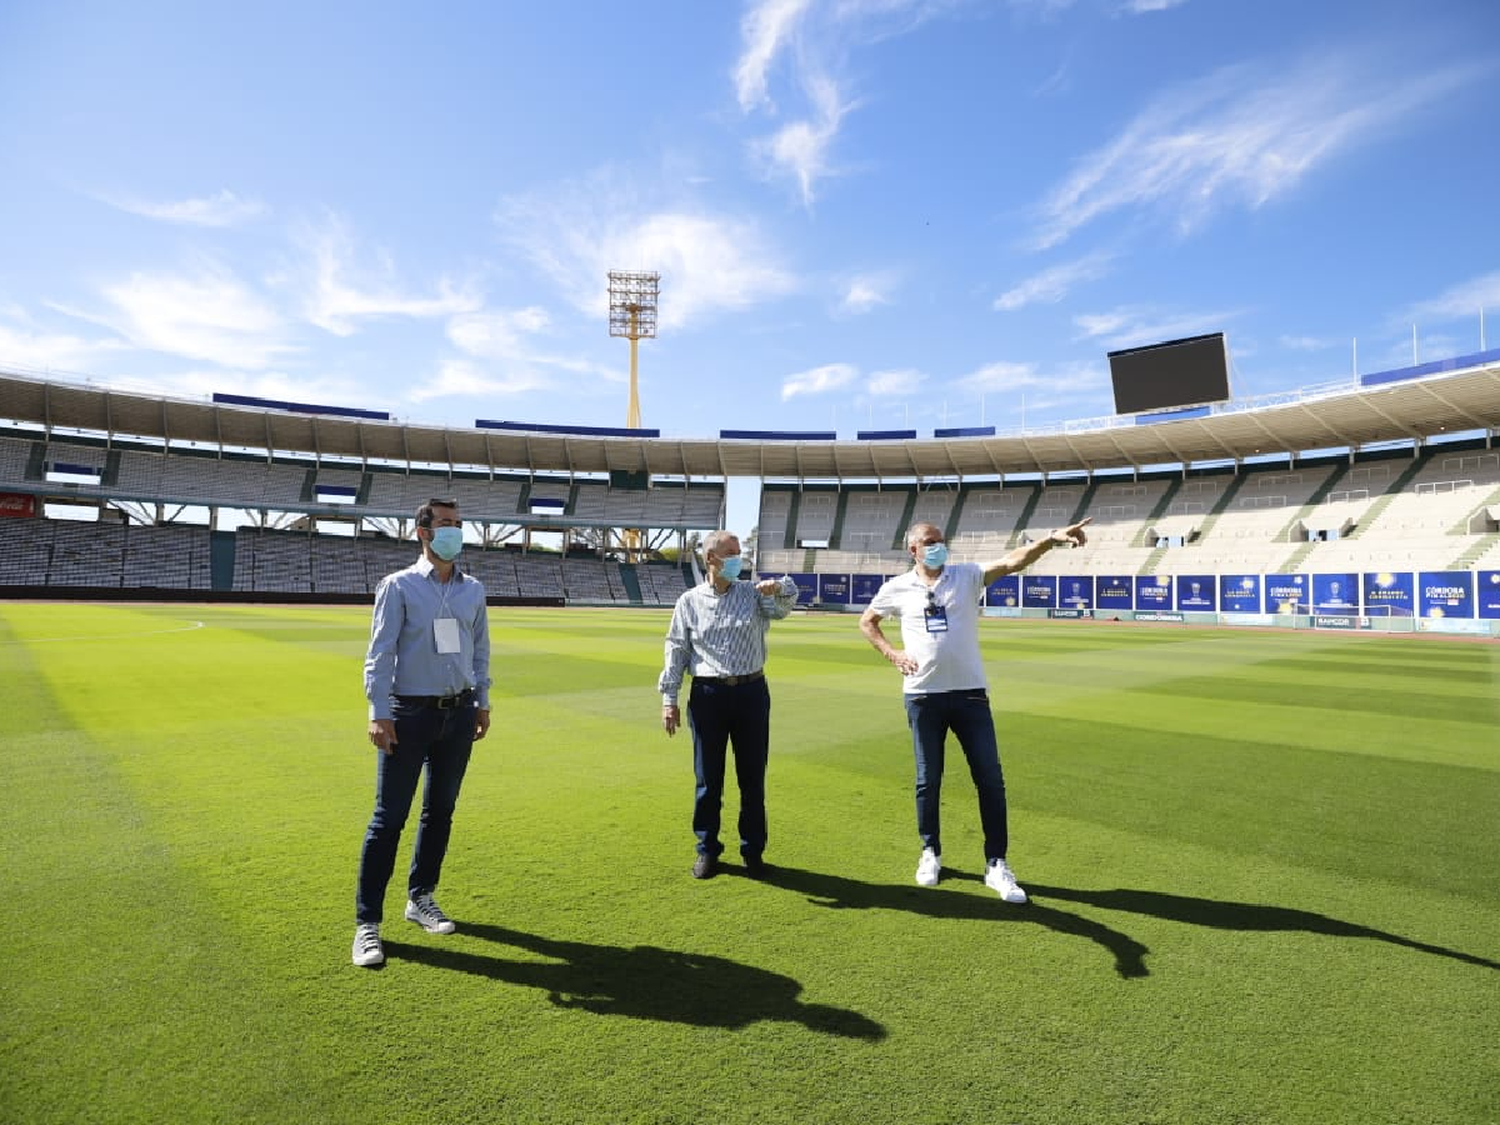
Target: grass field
x: 1265, y: 870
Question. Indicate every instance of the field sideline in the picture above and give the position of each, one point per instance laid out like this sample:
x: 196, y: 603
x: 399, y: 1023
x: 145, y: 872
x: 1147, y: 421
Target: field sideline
x: 1263, y: 868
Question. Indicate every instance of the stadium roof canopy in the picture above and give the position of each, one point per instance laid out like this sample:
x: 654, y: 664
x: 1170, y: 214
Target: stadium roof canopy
x: 1343, y: 416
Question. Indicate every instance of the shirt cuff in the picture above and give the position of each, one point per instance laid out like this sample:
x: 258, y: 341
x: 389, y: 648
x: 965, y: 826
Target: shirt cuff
x: 669, y: 699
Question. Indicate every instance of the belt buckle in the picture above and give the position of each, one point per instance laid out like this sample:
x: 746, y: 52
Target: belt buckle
x: 446, y: 702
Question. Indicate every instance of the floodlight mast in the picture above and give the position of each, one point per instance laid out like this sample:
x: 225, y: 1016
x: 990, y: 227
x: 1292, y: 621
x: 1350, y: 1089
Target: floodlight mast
x: 632, y: 314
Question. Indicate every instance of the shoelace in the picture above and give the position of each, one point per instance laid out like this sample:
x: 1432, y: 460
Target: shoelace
x: 430, y: 909
x: 369, y: 940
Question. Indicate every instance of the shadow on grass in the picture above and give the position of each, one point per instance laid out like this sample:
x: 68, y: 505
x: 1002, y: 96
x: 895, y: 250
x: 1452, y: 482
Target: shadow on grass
x: 643, y: 982
x: 839, y: 893
x: 1249, y: 917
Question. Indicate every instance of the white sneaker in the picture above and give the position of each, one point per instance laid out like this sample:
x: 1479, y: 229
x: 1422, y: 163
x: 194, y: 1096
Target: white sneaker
x: 929, y: 868
x: 425, y: 912
x: 368, y: 952
x: 1001, y: 879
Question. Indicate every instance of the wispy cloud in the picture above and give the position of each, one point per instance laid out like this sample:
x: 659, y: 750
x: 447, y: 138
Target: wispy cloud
x: 819, y: 380
x: 1144, y: 7
x: 1052, y: 285
x: 466, y: 378
x: 339, y: 290
x: 896, y: 383
x: 28, y: 346
x: 206, y: 313
x: 866, y: 292
x: 709, y: 263
x: 808, y: 41
x: 1462, y: 300
x: 1128, y: 327
x: 1068, y: 384
x: 222, y: 209
x: 1243, y: 136
x: 1307, y: 343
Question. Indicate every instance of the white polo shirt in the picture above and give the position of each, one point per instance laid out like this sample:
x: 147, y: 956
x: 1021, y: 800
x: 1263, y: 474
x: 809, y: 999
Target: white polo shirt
x: 946, y: 661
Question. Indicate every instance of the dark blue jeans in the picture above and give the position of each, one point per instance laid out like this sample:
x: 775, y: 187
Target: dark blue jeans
x: 967, y: 715
x: 719, y: 716
x: 441, y: 741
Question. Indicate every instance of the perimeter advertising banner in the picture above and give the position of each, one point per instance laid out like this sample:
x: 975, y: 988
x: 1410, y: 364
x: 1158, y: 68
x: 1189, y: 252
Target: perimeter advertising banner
x: 1004, y: 591
x: 1446, y: 593
x: 1287, y: 593
x: 1039, y: 591
x: 16, y: 505
x: 1153, y: 593
x: 1112, y: 591
x: 1195, y: 593
x: 1076, y: 592
x: 1389, y: 594
x: 1488, y: 582
x: 833, y: 589
x: 1239, y: 593
x: 807, y: 586
x: 864, y: 587
x: 1335, y: 594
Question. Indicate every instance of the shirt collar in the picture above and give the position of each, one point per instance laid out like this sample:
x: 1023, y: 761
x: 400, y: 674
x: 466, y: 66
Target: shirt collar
x: 426, y: 568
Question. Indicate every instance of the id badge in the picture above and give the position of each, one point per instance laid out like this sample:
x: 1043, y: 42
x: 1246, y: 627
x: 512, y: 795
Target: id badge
x: 935, y: 617
x: 445, y: 633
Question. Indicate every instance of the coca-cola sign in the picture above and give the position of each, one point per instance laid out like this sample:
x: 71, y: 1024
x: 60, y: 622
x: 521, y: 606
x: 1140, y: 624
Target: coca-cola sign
x: 16, y: 505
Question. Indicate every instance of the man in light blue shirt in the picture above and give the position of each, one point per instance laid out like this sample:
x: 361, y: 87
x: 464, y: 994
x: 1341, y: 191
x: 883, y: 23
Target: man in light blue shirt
x: 427, y: 677
x: 718, y: 634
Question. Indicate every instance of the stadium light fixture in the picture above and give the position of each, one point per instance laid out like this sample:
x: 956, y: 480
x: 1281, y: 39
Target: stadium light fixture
x: 632, y: 314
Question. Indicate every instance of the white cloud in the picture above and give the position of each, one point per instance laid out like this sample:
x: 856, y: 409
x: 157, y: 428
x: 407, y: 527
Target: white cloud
x: 1002, y: 376
x: 819, y: 380
x: 1462, y: 300
x: 340, y: 292
x: 1143, y: 7
x: 224, y: 209
x: 52, y: 351
x: 1240, y: 136
x: 1130, y: 327
x: 766, y: 29
x: 896, y: 383
x: 462, y: 377
x: 1052, y: 285
x: 496, y: 335
x: 708, y: 263
x: 1069, y: 384
x: 865, y: 292
x: 1305, y: 343
x: 208, y: 314
x: 813, y: 39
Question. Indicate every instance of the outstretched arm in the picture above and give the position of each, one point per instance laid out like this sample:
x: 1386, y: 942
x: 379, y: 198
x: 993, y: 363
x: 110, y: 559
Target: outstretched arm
x: 1071, y: 536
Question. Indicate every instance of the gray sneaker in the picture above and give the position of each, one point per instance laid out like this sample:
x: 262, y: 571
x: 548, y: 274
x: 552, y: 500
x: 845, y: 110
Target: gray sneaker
x: 368, y: 952
x: 425, y: 912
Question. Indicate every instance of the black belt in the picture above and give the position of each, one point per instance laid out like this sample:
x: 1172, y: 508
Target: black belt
x: 731, y: 681
x: 441, y: 702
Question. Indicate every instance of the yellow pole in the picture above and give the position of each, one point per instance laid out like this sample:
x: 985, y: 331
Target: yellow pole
x: 633, y: 414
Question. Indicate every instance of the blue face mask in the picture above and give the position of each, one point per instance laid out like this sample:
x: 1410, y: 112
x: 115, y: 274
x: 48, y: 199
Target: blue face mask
x: 935, y: 555
x: 447, y: 542
x: 730, y: 568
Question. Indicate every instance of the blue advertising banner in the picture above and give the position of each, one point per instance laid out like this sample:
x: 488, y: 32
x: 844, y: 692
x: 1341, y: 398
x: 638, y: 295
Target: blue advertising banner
x: 864, y: 587
x: 1153, y: 592
x: 1335, y: 594
x: 1446, y: 593
x: 1239, y: 593
x: 1287, y: 593
x: 1076, y: 592
x: 1004, y: 591
x: 1488, y: 582
x: 1112, y: 591
x: 1388, y: 595
x: 1195, y: 593
x: 1039, y: 591
x: 807, y: 587
x: 833, y: 589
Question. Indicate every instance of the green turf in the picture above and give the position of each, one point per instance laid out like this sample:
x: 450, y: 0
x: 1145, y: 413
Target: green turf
x: 1263, y: 866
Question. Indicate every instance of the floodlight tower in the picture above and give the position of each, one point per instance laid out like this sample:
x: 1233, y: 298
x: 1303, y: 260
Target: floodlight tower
x: 632, y: 313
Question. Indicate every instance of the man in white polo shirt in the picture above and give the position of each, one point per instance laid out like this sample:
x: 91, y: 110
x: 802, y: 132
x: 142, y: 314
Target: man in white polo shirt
x: 945, y: 687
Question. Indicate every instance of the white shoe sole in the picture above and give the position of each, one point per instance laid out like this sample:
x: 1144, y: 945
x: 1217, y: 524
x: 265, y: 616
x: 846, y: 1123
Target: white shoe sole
x: 437, y: 928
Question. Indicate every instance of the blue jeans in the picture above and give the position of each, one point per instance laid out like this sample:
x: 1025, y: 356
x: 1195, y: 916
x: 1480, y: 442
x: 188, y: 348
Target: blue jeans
x: 440, y: 740
x: 718, y: 715
x: 967, y: 714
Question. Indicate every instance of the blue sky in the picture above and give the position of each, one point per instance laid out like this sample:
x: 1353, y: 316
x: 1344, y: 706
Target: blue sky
x: 867, y: 214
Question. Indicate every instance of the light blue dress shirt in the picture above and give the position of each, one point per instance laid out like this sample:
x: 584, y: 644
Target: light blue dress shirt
x: 715, y: 634
x: 403, y: 658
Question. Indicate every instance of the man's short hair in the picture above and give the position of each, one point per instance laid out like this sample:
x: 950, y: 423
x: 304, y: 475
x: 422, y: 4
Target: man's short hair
x: 919, y: 531
x: 425, y: 513
x: 715, y: 539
